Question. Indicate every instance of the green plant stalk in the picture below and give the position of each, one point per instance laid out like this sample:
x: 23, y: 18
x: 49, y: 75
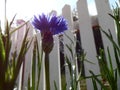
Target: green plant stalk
x: 117, y: 60
x: 39, y: 58
x: 108, y: 73
x: 2, y: 50
x: 2, y: 60
x: 29, y: 88
x: 118, y: 31
x: 34, y: 67
x: 72, y: 69
x: 74, y: 79
x: 94, y: 84
x: 113, y: 77
x: 63, y: 82
x: 24, y: 48
x: 55, y: 85
x: 116, y: 49
x: 112, y: 41
x: 47, y: 73
x: 110, y: 61
x: 5, y: 82
x: 99, y: 81
x: 7, y: 44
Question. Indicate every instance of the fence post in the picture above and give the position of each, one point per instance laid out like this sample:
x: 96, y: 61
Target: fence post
x: 67, y: 52
x: 42, y: 76
x: 87, y: 41
x: 20, y: 36
x: 55, y: 74
x: 28, y: 58
x: 106, y: 22
x: 66, y: 12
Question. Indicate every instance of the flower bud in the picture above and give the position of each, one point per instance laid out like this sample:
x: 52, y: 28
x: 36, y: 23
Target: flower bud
x: 47, y: 42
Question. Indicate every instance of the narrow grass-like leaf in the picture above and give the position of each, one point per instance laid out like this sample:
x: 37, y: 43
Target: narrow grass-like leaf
x: 21, y: 54
x: 94, y: 84
x: 112, y: 16
x: 113, y: 42
x: 82, y: 58
x: 89, y: 61
x: 69, y: 38
x: 115, y: 16
x: 34, y: 66
x: 89, y: 77
x: 14, y: 56
x: 117, y: 60
x: 39, y: 58
x: 12, y: 31
x: 99, y: 81
x: 79, y: 75
x: 12, y: 20
x: 70, y: 50
x: 29, y: 88
x: 55, y: 85
x: 2, y: 50
x: 116, y: 75
x: 108, y: 74
x: 2, y: 59
x: 65, y: 87
x: 116, y: 49
x: 69, y: 65
x: 110, y: 61
x: 7, y: 45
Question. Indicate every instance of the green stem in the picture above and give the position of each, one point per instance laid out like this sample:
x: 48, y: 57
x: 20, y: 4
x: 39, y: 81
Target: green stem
x: 47, y: 73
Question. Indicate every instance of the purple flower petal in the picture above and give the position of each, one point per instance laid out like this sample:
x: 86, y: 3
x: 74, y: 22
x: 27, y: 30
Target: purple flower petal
x: 52, y: 23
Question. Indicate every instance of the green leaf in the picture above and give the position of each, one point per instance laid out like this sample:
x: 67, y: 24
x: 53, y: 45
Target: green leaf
x: 112, y: 16
x: 107, y: 73
x: 69, y: 65
x: 34, y: 66
x: 69, y: 38
x: 39, y: 65
x: 112, y: 41
x: 79, y: 75
x: 2, y: 50
x: 70, y: 50
x: 21, y: 54
x: 89, y: 61
x: 12, y: 20
x: 94, y: 84
x: 117, y: 60
x: 12, y: 31
x: 7, y: 45
x: 29, y: 88
x: 116, y: 75
x: 64, y: 87
x: 55, y: 85
x: 88, y: 77
x: 115, y: 16
x: 99, y: 81
x: 110, y: 61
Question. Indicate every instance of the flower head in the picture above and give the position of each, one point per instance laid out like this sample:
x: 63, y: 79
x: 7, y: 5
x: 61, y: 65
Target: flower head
x: 49, y: 25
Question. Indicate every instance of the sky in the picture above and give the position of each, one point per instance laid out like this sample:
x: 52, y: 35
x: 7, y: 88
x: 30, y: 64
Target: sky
x: 28, y: 8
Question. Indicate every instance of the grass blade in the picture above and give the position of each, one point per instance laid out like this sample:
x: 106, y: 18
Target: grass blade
x: 55, y: 85
x: 99, y: 81
x: 94, y: 84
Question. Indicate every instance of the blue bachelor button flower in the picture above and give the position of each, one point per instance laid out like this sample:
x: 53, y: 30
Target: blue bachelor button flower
x: 49, y: 25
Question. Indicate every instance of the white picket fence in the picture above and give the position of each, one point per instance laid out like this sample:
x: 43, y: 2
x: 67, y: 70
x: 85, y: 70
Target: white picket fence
x: 84, y: 25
